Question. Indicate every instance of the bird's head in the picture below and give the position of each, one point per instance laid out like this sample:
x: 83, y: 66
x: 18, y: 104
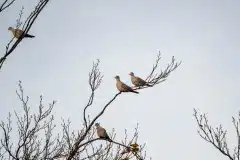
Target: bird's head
x: 117, y: 77
x: 131, y: 74
x: 10, y: 28
x: 97, y: 124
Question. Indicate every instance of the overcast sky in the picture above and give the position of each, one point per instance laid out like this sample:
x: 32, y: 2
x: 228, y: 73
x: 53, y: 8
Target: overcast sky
x: 126, y: 36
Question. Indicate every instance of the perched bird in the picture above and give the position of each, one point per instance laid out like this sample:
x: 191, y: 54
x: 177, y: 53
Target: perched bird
x: 101, y: 132
x: 137, y: 81
x: 123, y: 87
x: 18, y: 32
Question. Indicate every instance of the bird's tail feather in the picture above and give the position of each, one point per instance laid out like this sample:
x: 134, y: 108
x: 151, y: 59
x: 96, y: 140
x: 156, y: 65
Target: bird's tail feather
x: 108, y: 138
x: 135, y: 92
x: 29, y: 36
x: 148, y: 85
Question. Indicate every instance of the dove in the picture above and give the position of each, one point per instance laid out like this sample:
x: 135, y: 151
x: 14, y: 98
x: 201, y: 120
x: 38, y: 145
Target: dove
x: 101, y: 132
x: 137, y: 81
x: 123, y: 87
x: 18, y: 32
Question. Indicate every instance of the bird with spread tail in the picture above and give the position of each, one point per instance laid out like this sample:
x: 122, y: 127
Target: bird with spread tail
x: 122, y: 87
x: 101, y: 132
x: 137, y: 81
x: 18, y: 32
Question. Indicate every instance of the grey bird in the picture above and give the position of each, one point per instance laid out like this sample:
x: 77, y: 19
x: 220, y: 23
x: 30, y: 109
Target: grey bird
x: 137, y: 81
x: 101, y: 132
x: 122, y: 87
x: 18, y: 32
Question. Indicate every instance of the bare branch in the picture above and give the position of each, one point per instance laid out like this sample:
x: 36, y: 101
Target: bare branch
x: 26, y: 27
x: 236, y: 125
x: 6, y: 128
x: 70, y: 144
x: 108, y: 153
x: 216, y: 137
x: 29, y: 126
x: 95, y: 79
x: 6, y: 4
x: 81, y: 138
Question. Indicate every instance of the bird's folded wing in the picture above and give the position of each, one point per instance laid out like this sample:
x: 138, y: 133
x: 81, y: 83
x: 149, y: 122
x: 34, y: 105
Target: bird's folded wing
x: 126, y: 87
x: 140, y: 80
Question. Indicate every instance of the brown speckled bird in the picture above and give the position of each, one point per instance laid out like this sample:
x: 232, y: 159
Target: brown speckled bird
x: 123, y: 87
x: 101, y: 132
x: 18, y: 32
x: 137, y: 81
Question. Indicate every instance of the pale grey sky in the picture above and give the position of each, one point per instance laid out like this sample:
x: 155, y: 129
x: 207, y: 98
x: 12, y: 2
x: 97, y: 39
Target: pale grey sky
x: 126, y: 36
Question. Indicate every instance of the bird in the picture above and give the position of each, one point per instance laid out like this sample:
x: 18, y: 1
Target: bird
x: 122, y: 87
x: 101, y: 132
x: 18, y: 32
x: 137, y: 81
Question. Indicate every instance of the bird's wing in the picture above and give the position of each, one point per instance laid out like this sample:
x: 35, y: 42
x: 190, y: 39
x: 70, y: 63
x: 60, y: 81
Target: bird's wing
x: 126, y: 87
x: 100, y: 132
x: 18, y: 31
x: 140, y: 80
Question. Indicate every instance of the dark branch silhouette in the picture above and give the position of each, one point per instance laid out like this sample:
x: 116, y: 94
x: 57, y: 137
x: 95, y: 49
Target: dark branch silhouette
x: 217, y: 136
x: 156, y: 77
x: 10, y: 47
x: 6, y: 4
x: 36, y: 139
x: 30, y: 145
x: 93, y: 81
